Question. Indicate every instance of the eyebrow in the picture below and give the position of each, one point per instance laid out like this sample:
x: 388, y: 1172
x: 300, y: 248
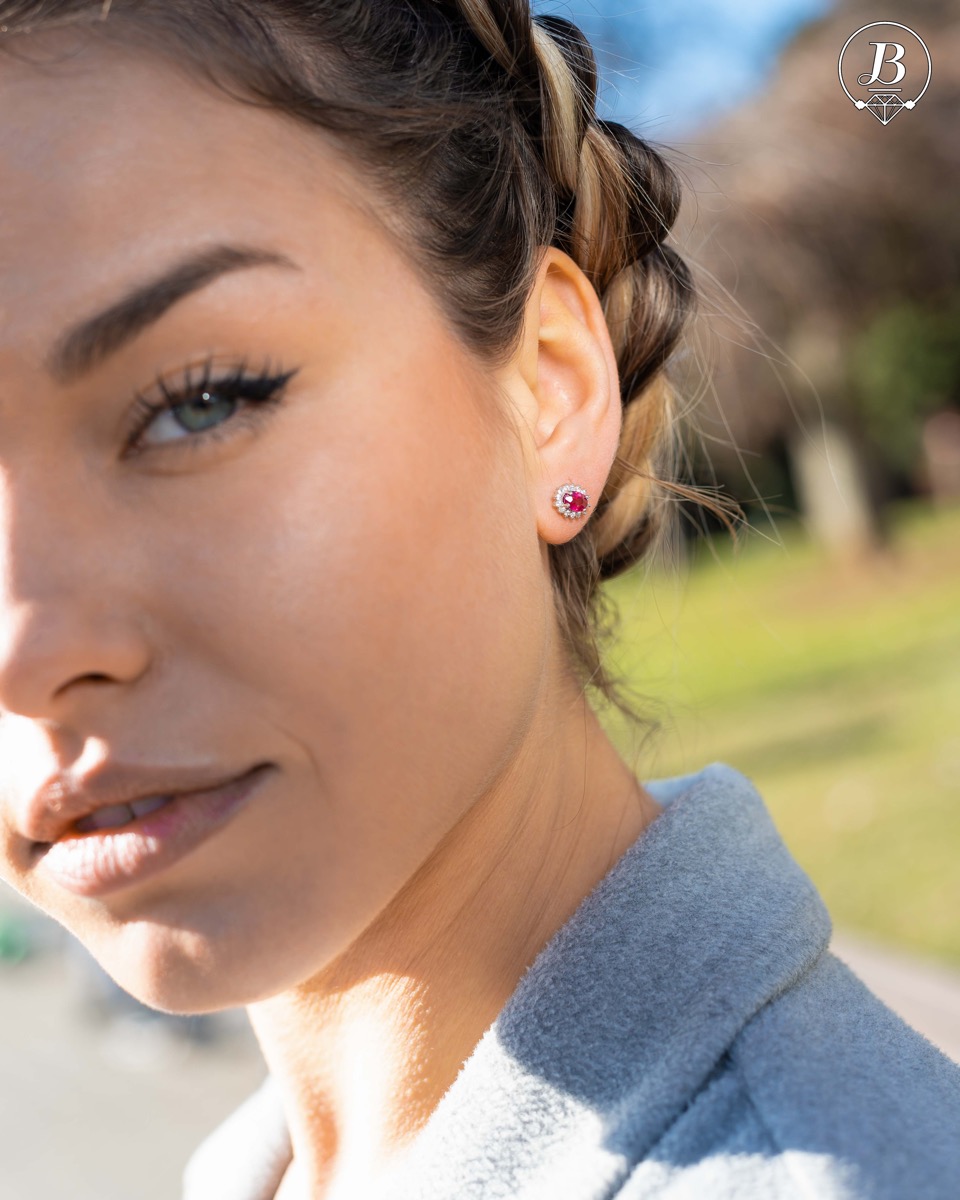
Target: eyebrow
x: 88, y: 343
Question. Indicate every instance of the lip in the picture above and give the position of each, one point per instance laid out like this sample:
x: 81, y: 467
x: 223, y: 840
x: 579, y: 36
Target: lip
x: 66, y: 796
x: 106, y: 860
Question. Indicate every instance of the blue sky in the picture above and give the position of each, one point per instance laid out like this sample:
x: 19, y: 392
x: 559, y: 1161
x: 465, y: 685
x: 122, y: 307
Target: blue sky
x: 666, y: 66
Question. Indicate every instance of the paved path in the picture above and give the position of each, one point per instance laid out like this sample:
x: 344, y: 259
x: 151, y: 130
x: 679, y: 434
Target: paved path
x: 93, y: 1112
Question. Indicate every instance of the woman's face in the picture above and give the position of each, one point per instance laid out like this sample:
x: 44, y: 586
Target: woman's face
x: 346, y: 583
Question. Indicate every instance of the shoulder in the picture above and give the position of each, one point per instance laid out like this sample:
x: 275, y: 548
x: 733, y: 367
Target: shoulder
x: 831, y: 1071
x: 824, y: 1092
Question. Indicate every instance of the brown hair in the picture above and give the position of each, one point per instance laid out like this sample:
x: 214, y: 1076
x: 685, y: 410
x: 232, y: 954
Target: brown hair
x: 478, y: 121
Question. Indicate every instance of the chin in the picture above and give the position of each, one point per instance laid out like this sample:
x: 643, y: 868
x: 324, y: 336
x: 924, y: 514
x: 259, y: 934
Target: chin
x: 180, y: 972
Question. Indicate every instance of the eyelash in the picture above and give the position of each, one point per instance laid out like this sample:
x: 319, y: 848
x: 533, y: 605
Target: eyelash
x: 262, y: 392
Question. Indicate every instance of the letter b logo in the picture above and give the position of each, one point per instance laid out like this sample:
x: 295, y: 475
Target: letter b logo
x: 880, y: 60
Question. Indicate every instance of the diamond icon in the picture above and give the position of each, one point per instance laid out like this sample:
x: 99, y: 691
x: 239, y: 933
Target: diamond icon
x: 884, y: 106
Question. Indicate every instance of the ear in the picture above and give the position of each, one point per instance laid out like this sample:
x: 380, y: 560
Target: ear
x: 564, y: 384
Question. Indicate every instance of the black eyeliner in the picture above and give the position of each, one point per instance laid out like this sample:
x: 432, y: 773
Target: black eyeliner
x: 262, y: 391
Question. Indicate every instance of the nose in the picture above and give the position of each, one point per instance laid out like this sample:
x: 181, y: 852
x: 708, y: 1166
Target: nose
x: 67, y: 626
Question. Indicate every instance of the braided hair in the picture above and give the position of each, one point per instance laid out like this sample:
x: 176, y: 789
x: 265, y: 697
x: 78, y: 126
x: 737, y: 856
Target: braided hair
x: 476, y: 121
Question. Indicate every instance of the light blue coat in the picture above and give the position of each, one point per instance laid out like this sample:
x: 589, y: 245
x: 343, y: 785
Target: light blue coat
x: 687, y: 1035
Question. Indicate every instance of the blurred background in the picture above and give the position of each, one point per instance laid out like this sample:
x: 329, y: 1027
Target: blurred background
x: 821, y: 655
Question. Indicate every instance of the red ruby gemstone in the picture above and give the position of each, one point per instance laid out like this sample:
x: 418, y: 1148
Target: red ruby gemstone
x: 575, y: 501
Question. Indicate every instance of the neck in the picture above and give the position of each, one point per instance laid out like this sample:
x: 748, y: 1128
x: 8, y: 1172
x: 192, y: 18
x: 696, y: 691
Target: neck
x: 364, y: 1051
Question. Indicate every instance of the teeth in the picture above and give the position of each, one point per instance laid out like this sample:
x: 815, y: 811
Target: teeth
x: 149, y: 804
x: 106, y: 818
x: 118, y: 815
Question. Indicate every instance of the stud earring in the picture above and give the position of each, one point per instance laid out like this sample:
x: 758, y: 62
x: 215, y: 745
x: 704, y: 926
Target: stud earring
x: 571, y: 501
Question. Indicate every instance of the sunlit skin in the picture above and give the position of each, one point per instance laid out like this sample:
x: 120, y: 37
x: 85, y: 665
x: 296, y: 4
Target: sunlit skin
x: 355, y: 589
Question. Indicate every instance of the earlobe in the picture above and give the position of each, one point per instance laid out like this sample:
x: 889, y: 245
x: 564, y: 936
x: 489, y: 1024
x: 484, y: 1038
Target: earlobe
x: 577, y: 393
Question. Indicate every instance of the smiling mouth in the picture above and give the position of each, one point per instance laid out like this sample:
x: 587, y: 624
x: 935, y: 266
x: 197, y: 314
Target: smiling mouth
x: 115, y: 816
x: 117, y: 846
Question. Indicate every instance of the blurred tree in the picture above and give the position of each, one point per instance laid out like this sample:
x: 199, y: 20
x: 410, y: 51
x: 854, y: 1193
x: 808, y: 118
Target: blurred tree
x: 812, y: 223
x: 905, y: 367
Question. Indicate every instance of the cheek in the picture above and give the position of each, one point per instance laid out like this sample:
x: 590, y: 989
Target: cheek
x: 407, y: 612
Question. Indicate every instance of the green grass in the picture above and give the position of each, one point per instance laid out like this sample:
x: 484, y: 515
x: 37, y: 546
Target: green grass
x: 837, y: 691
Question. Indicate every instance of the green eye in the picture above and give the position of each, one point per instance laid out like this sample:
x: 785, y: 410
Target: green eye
x: 207, y: 410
